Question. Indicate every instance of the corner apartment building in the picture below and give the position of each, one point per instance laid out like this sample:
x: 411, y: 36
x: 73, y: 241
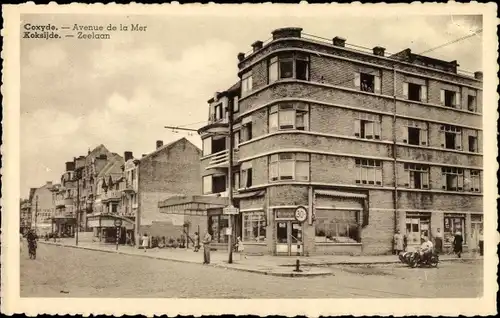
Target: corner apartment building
x: 42, y: 208
x: 366, y: 142
x: 64, y: 196
x: 171, y: 170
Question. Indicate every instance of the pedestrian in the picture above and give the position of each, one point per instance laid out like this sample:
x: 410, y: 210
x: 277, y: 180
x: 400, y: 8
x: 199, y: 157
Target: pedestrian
x: 145, y: 242
x: 481, y: 243
x: 196, y: 242
x: 405, y: 242
x: 206, y: 247
x: 457, y: 243
x: 398, y: 242
x: 438, y: 241
x: 241, y: 248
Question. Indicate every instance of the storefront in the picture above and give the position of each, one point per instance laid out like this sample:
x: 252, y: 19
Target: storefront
x: 288, y: 232
x: 103, y: 226
x: 64, y: 226
x: 418, y: 226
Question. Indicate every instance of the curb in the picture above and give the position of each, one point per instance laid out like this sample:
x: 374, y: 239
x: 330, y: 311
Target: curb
x: 255, y: 271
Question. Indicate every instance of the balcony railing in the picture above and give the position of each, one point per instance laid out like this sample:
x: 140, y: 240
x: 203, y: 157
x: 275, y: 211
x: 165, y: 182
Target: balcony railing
x: 129, y: 188
x: 221, y: 158
x: 111, y: 196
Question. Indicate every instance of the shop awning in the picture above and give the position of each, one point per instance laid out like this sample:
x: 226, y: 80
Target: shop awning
x: 192, y: 204
x: 108, y: 220
x: 341, y: 194
x: 249, y: 194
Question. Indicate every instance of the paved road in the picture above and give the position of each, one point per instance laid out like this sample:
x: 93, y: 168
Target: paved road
x: 68, y: 272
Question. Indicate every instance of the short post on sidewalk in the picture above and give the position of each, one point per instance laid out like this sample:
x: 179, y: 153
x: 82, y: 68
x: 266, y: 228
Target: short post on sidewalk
x: 118, y: 224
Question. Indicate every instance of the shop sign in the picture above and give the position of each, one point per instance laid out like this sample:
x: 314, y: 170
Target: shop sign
x: 230, y: 210
x: 285, y: 214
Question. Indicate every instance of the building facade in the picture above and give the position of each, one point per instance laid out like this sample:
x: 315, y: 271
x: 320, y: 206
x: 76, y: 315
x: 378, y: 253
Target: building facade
x: 172, y: 170
x: 64, y: 197
x: 24, y: 216
x: 362, y: 143
x: 42, y: 208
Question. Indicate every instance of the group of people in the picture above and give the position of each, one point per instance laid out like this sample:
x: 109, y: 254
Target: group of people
x: 427, y: 246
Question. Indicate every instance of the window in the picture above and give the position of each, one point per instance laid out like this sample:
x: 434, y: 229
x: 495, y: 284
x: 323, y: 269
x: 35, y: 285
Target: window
x: 337, y: 226
x: 367, y: 82
x: 218, y: 112
x: 415, y: 92
x: 452, y: 225
x: 216, y: 227
x: 415, y: 133
x: 218, y: 184
x: 289, y: 116
x: 207, y: 147
x: 218, y: 144
x: 246, y: 175
x: 367, y: 126
x: 246, y: 83
x: 368, y: 171
x: 288, y: 66
x: 450, y: 98
x: 289, y: 166
x: 452, y: 179
x: 207, y: 184
x: 451, y: 137
x: 472, y: 101
x: 473, y: 144
x: 475, y: 181
x: 417, y: 176
x: 254, y: 227
x: 114, y: 208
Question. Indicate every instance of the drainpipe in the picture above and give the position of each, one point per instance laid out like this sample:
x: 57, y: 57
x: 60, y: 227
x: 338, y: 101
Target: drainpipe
x: 394, y: 150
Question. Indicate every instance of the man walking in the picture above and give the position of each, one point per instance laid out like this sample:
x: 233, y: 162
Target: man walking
x: 206, y: 247
x: 438, y: 241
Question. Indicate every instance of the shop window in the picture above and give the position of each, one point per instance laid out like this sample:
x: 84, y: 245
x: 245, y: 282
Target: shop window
x: 217, y: 225
x: 451, y: 137
x: 368, y: 171
x: 415, y: 92
x: 287, y: 66
x: 473, y: 144
x: 417, y: 227
x: 417, y: 176
x: 367, y: 126
x: 246, y: 83
x: 452, y: 225
x: 337, y: 226
x: 289, y: 166
x: 452, y: 179
x: 254, y: 227
x: 450, y: 98
x: 288, y: 116
x: 475, y: 181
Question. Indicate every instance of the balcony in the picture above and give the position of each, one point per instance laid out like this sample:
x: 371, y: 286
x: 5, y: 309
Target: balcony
x: 221, y: 158
x: 128, y: 188
x: 111, y: 196
x: 63, y: 202
x: 215, y: 126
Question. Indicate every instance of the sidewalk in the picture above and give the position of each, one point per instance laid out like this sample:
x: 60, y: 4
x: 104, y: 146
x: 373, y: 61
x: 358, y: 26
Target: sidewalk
x: 266, y: 264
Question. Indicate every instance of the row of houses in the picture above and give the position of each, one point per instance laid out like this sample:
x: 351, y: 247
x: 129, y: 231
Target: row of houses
x: 360, y: 143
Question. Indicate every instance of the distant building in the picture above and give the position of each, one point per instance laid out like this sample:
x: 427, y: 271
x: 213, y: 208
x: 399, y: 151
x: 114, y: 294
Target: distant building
x: 42, y: 207
x: 171, y: 170
x: 24, y: 216
x: 64, y: 196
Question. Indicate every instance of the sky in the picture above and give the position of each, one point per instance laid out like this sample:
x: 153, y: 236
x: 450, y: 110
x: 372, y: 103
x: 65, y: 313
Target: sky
x: 121, y: 92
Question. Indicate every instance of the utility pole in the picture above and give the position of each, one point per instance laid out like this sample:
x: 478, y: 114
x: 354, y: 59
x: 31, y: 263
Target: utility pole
x: 230, y: 181
x: 77, y: 206
x: 36, y: 212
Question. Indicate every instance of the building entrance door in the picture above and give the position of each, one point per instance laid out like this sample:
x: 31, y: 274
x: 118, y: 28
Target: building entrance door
x: 289, y: 238
x: 416, y: 229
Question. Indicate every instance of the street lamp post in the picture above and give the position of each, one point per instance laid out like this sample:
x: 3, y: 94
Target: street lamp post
x: 36, y: 212
x: 230, y: 182
x: 77, y: 206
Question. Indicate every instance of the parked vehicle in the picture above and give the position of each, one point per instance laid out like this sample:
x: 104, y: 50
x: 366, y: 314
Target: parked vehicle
x: 413, y: 259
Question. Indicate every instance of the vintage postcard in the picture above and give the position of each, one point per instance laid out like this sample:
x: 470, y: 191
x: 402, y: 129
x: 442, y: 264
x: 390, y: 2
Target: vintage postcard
x: 249, y: 159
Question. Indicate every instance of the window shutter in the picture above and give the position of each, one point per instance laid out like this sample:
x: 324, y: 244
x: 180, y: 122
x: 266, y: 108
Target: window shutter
x: 408, y: 177
x: 369, y: 130
x: 460, y: 182
x: 377, y: 85
x: 425, y: 180
x: 376, y: 131
x: 405, y: 90
x: 273, y: 70
x: 357, y: 80
x: 405, y: 134
x: 443, y: 180
x: 357, y: 128
x: 423, y: 93
x: 458, y: 100
x: 442, y: 135
x: 378, y: 176
x: 442, y: 97
x: 423, y: 137
x: 358, y: 174
x: 458, y: 141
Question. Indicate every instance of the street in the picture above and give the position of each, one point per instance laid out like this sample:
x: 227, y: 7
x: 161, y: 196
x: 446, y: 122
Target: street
x: 70, y: 272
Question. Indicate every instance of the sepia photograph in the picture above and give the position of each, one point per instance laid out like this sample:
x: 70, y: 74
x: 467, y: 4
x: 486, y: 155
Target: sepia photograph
x: 249, y: 153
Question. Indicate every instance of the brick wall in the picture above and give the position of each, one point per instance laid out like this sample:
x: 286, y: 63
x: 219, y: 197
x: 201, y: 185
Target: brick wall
x: 439, y: 201
x: 377, y: 236
x: 288, y: 195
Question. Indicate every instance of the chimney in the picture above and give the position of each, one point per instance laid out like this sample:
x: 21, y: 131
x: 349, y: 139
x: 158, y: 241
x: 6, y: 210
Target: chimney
x: 127, y: 155
x: 241, y: 56
x: 338, y: 41
x: 144, y: 155
x: 257, y: 45
x: 287, y: 33
x: 378, y: 50
x: 49, y: 183
x: 70, y: 166
x: 478, y: 75
x: 159, y: 144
